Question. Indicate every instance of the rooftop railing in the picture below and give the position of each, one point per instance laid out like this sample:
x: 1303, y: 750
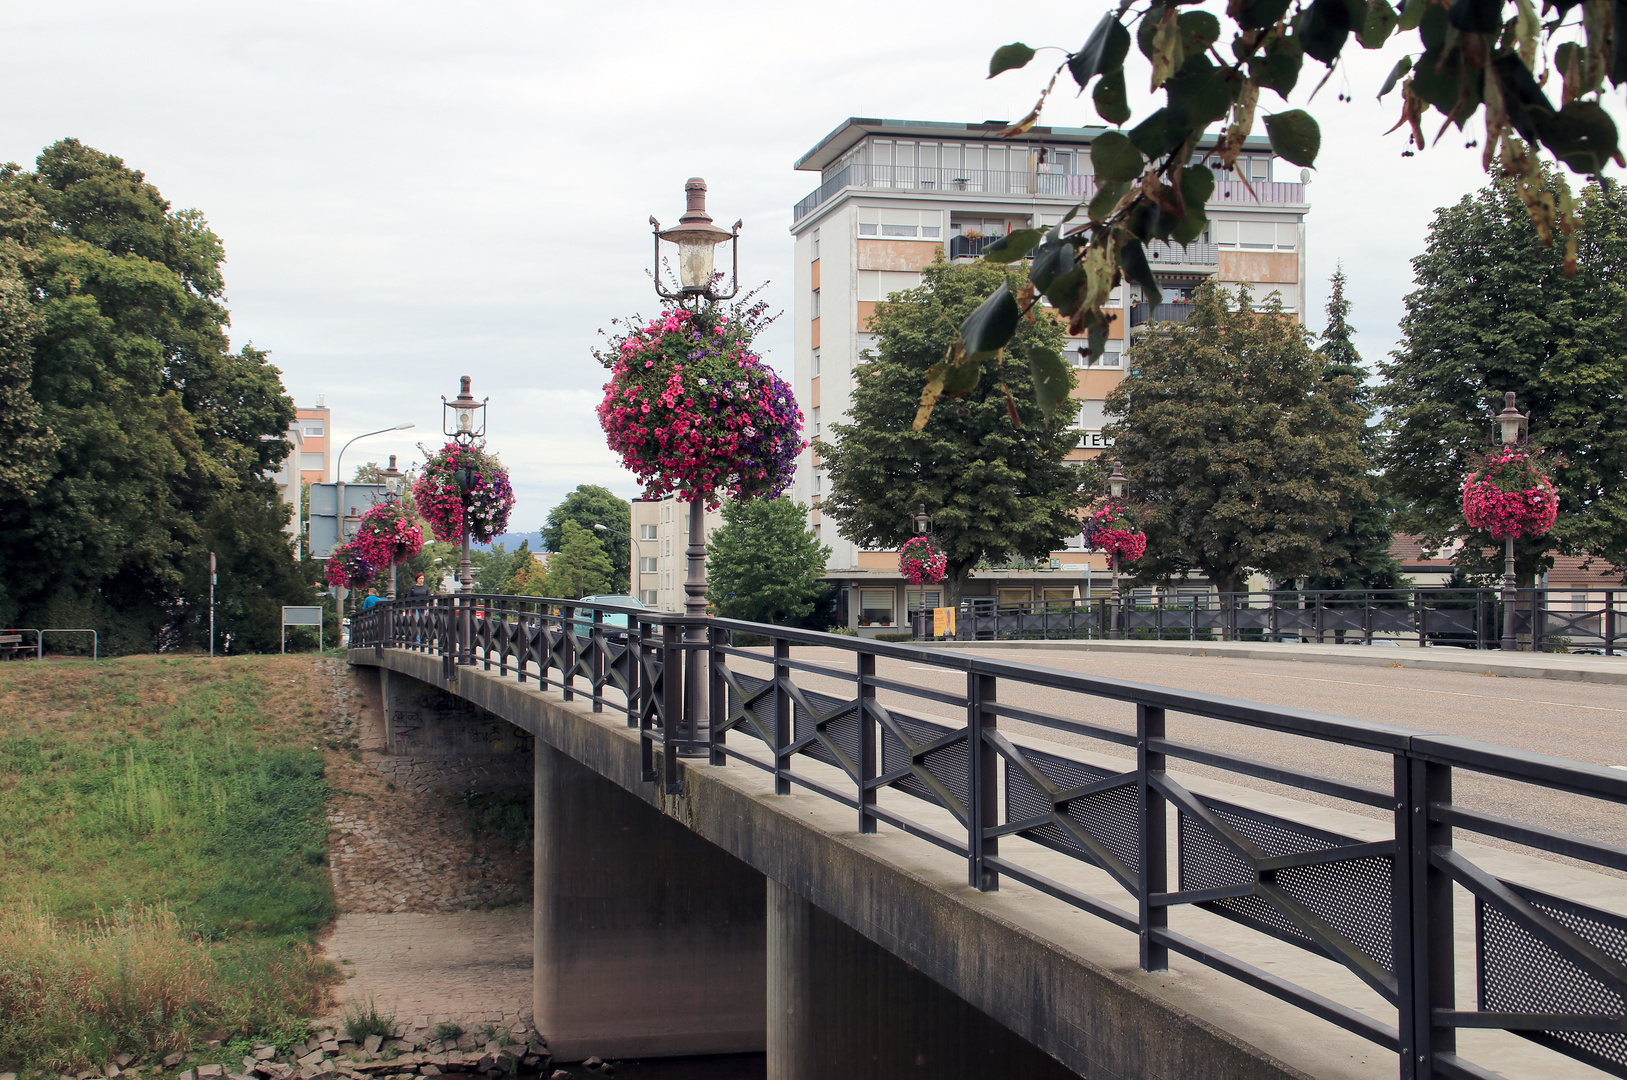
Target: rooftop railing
x: 944, y: 746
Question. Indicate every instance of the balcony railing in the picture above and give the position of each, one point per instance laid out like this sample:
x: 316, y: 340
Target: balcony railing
x: 969, y: 247
x: 1145, y: 313
x: 1064, y: 187
x: 1162, y: 252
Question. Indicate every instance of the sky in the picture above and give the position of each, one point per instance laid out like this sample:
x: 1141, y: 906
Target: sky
x: 410, y: 192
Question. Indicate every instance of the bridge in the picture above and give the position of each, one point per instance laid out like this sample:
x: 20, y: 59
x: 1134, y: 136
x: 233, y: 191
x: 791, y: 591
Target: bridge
x: 750, y: 837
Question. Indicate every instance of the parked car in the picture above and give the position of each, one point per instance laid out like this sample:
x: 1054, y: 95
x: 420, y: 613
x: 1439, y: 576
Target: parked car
x: 611, y: 618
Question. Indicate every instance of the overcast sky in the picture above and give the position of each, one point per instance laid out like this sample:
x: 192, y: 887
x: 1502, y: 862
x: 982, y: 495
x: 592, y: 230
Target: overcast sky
x: 409, y: 192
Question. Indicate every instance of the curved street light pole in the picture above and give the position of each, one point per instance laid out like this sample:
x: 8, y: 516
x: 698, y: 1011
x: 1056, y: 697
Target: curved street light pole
x: 339, y: 482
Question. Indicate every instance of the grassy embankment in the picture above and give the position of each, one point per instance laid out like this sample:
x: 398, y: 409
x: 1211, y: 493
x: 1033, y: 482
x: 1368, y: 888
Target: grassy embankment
x: 162, y: 856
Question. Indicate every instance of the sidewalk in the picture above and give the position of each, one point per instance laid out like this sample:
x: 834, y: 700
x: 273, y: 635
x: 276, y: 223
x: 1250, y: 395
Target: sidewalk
x: 1562, y: 666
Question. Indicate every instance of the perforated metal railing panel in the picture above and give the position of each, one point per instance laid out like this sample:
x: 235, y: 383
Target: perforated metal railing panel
x: 1519, y: 972
x: 1109, y: 816
x: 949, y: 765
x: 1353, y: 896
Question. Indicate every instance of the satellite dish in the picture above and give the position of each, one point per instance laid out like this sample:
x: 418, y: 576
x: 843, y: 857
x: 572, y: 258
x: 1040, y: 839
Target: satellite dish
x: 1304, y: 176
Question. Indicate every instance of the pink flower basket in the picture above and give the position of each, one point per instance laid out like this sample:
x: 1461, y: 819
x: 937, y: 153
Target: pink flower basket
x: 1110, y: 529
x: 347, y: 568
x: 691, y: 409
x: 443, y: 504
x: 389, y: 533
x: 1509, y: 495
x: 921, y: 563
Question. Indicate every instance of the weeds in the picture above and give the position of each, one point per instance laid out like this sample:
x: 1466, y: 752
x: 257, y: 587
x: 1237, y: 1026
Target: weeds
x: 448, y: 1032
x: 363, y: 1019
x: 505, y: 813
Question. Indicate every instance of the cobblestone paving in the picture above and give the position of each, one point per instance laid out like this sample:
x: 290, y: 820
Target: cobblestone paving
x: 434, y: 924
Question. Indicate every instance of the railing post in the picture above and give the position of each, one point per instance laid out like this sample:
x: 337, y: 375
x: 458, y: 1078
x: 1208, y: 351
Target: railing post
x: 567, y: 648
x: 983, y: 803
x: 596, y: 660
x: 635, y: 669
x: 718, y: 697
x: 672, y: 704
x: 1425, y: 969
x: 869, y: 757
x: 782, y: 718
x: 1418, y: 615
x: 1153, y: 848
x: 647, y: 707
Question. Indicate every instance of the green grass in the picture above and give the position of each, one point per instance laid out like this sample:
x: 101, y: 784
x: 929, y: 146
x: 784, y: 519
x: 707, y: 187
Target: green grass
x: 169, y: 811
x: 363, y: 1019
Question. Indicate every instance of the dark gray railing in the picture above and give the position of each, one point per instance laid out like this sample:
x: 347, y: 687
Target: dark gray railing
x: 1591, y: 620
x: 1546, y: 967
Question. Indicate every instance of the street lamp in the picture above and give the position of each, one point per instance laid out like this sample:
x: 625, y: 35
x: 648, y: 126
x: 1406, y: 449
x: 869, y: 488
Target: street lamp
x: 392, y: 494
x: 1511, y: 428
x: 463, y: 419
x: 1116, y: 482
x: 339, y: 488
x: 697, y: 239
x: 923, y: 521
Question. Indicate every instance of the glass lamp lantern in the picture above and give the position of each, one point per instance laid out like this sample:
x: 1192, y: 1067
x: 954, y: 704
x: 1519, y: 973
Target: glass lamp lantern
x: 1117, y: 480
x: 464, y: 418
x: 1510, y: 422
x: 392, y: 481
x: 697, y: 239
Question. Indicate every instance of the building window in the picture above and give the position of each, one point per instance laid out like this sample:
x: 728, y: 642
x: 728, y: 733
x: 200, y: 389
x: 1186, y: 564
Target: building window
x: 816, y: 363
x: 1109, y: 359
x: 649, y: 597
x: 867, y: 228
x: 819, y: 483
x: 912, y: 598
x: 816, y: 304
x: 876, y: 607
x: 900, y: 230
x: 312, y: 463
x: 646, y: 532
x: 815, y: 411
x: 647, y: 564
x: 313, y: 431
x: 815, y: 246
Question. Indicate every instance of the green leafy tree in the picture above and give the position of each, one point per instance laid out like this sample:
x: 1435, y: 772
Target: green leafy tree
x: 1471, y: 61
x: 591, y: 505
x: 1358, y: 556
x: 580, y: 567
x: 764, y: 564
x: 991, y: 486
x: 1240, y: 454
x: 162, y: 440
x: 500, y: 567
x: 1494, y: 311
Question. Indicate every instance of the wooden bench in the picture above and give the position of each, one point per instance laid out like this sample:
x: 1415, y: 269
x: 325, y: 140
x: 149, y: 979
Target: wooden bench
x: 11, y: 645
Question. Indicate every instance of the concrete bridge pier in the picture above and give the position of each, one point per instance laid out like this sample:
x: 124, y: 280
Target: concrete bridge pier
x: 841, y: 1006
x: 649, y: 940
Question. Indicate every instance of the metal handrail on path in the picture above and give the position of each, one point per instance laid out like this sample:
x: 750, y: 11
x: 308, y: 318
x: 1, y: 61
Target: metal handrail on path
x: 1560, y: 620
x: 1548, y: 967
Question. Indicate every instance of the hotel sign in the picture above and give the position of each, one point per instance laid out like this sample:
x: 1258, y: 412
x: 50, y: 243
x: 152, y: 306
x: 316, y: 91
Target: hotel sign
x: 1094, y: 440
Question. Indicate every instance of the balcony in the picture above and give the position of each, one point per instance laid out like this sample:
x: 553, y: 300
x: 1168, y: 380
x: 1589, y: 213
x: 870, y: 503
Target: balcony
x: 969, y: 247
x: 1146, y: 313
x: 1161, y: 254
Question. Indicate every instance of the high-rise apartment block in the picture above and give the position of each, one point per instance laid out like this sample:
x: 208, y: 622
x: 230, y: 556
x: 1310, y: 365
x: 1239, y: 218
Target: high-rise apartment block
x: 896, y: 194
x: 660, y: 541
x: 316, y: 448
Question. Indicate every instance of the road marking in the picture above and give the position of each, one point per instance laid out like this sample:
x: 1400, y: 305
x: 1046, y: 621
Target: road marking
x: 1448, y: 693
x: 1623, y: 768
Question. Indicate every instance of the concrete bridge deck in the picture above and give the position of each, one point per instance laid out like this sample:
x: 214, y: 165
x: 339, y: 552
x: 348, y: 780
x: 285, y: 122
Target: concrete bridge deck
x: 1042, y: 971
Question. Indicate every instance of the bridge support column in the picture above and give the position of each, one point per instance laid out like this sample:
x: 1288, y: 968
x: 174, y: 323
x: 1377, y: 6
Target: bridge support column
x: 841, y: 1006
x: 649, y: 940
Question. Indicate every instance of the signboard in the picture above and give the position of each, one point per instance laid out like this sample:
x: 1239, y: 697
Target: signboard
x: 1088, y: 440
x: 943, y: 622
x: 301, y: 616
x: 325, y: 513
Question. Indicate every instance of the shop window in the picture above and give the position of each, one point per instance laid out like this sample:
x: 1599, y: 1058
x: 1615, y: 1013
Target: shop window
x: 876, y: 607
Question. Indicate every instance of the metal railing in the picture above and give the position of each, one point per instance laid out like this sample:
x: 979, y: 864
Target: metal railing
x: 1145, y: 312
x: 1165, y: 252
x: 929, y: 757
x: 1593, y: 620
x: 1073, y: 187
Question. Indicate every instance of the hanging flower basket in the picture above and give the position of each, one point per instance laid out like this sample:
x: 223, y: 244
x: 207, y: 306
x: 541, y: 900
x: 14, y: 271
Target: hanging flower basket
x: 1508, y: 494
x: 691, y: 409
x: 389, y: 533
x: 1111, y: 529
x: 348, y: 568
x: 443, y: 503
x: 921, y: 563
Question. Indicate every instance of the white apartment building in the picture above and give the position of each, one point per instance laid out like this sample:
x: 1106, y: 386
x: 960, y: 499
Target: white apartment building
x: 660, y: 537
x: 894, y: 194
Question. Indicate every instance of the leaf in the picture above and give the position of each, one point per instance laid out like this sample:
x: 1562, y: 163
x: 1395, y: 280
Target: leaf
x: 1007, y: 57
x: 1323, y: 29
x: 1402, y: 66
x: 1050, y: 259
x: 1476, y: 16
x: 1199, y: 30
x: 1167, y: 55
x: 1102, y: 53
x: 1063, y: 292
x: 1106, y: 198
x: 962, y: 378
x: 1013, y: 246
x: 1157, y: 135
x: 1279, y: 68
x: 1052, y: 378
x: 1412, y: 14
x: 1197, y: 184
x: 1618, y: 58
x: 1112, y: 102
x: 987, y: 330
x: 1200, y: 94
x: 1261, y: 14
x: 1294, y: 136
x: 1379, y: 24
x: 1191, y: 227
x: 1098, y: 339
x: 1581, y: 134
x: 1242, y: 124
x: 1114, y: 157
x: 1133, y: 260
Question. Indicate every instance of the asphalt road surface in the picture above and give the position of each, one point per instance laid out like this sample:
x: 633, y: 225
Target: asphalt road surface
x: 1582, y: 721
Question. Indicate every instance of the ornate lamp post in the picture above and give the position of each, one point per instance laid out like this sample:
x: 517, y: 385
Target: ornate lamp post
x: 1116, y: 482
x: 392, y: 493
x: 463, y: 419
x: 1511, y: 427
x: 697, y: 239
x: 923, y: 521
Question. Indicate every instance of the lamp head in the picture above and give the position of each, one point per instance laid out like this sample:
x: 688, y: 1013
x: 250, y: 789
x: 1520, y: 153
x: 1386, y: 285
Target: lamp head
x: 1510, y: 422
x: 392, y: 481
x: 921, y: 519
x: 1116, y: 480
x: 697, y: 239
x: 464, y: 418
